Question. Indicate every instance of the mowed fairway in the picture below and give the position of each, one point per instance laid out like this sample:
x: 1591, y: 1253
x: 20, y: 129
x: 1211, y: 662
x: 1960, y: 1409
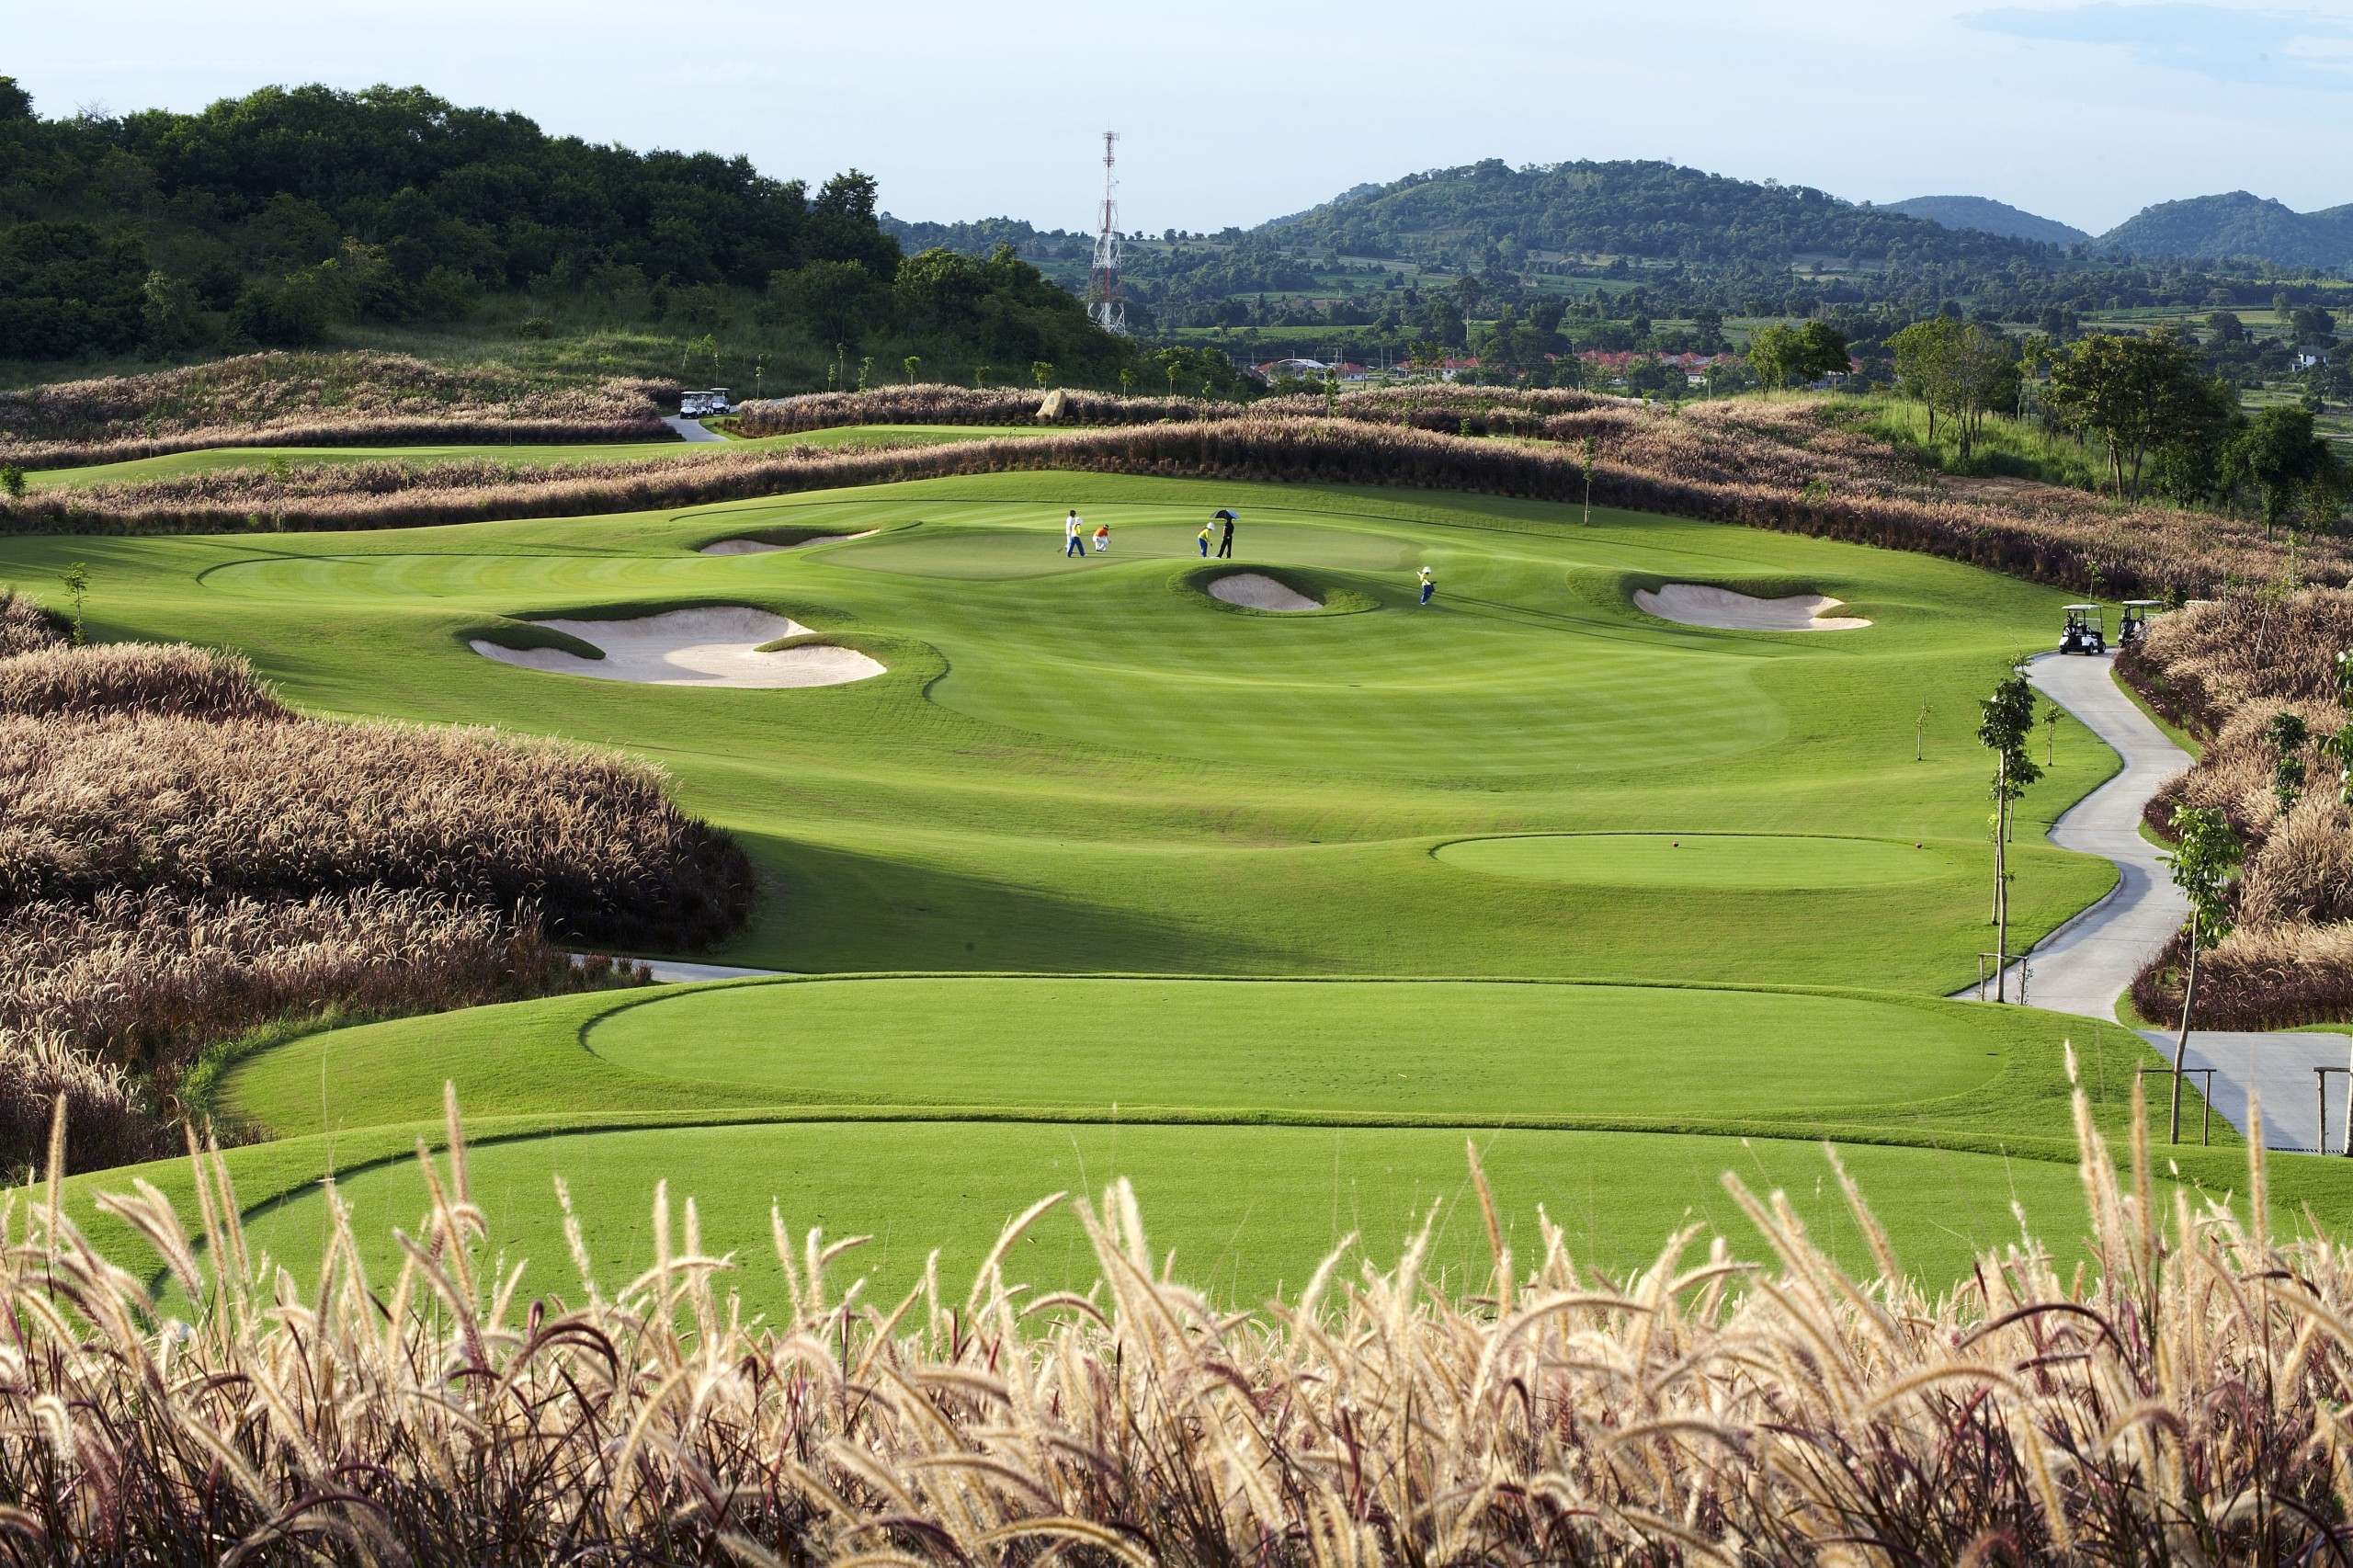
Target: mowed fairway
x: 1093, y: 769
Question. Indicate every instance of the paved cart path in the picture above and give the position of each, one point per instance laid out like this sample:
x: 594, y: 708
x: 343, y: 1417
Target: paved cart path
x: 2085, y: 966
x: 693, y: 430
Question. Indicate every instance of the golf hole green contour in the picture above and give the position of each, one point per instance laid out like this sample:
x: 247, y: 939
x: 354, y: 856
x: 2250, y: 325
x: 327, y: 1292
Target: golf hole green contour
x: 1725, y: 860
x: 1249, y: 1050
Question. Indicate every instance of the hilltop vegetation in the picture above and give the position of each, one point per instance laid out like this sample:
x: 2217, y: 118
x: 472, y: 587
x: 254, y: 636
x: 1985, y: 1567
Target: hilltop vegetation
x: 2238, y: 225
x: 292, y: 217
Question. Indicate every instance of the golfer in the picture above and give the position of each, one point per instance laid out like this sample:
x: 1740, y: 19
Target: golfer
x: 1207, y: 529
x: 1225, y: 545
x: 1429, y: 585
x: 1073, y: 536
x: 1102, y: 538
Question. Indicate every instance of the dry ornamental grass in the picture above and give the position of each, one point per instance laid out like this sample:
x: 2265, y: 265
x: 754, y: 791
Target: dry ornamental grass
x: 183, y: 859
x: 314, y: 398
x: 2178, y: 1401
x: 1787, y: 466
x: 2227, y: 670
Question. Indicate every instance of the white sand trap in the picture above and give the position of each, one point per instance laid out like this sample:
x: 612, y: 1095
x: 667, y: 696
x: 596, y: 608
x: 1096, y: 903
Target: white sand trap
x: 1255, y: 590
x: 693, y: 647
x: 761, y: 547
x: 1688, y: 603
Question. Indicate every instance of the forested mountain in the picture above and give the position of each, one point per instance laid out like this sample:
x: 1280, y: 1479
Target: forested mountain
x: 1989, y: 217
x: 2238, y: 224
x: 269, y: 218
x: 1652, y: 211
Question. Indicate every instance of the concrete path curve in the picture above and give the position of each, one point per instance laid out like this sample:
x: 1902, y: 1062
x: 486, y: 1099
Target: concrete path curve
x: 693, y: 429
x: 2085, y: 965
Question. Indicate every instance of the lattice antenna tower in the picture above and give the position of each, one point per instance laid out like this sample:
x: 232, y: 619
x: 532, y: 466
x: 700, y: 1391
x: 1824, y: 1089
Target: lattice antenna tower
x: 1103, y: 302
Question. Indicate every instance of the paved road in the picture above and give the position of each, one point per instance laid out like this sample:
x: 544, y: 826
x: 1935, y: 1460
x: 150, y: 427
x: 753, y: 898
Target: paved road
x: 693, y: 430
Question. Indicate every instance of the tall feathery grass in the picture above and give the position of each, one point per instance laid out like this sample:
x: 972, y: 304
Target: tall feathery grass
x: 2180, y: 1401
x: 182, y: 858
x: 2227, y: 671
x: 1782, y: 465
x: 315, y: 399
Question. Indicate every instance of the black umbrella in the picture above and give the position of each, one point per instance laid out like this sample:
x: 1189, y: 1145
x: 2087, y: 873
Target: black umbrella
x: 1229, y: 517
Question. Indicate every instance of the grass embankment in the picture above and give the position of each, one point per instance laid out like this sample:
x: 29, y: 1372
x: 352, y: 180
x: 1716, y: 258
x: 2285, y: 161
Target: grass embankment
x: 1784, y: 466
x: 1083, y: 765
x: 2001, y: 446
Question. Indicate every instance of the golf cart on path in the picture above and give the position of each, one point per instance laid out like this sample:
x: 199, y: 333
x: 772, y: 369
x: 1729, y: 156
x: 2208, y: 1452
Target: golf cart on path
x: 2135, y: 624
x: 2086, y: 629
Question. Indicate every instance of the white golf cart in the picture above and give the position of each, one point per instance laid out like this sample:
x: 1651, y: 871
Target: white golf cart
x: 2086, y: 629
x: 2135, y: 622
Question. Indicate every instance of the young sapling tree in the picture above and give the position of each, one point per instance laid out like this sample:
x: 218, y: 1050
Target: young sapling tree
x: 2288, y: 732
x: 76, y: 579
x: 2007, y: 720
x: 2206, y: 849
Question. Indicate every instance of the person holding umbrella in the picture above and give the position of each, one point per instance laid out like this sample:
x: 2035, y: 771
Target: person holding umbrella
x: 1225, y: 545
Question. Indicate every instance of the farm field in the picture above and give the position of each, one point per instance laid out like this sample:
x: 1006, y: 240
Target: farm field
x: 1094, y: 768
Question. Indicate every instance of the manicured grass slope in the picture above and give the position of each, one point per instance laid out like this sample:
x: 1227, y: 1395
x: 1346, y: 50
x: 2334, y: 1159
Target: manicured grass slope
x: 1086, y: 766
x: 1091, y: 767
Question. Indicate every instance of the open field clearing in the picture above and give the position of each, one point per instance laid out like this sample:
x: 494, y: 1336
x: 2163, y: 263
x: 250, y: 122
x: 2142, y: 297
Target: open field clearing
x: 1100, y: 766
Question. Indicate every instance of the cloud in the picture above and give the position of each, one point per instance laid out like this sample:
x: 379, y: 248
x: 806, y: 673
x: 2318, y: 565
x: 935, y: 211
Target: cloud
x: 2299, y: 49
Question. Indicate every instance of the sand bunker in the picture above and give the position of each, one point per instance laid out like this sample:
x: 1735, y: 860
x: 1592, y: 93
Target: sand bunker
x: 1687, y: 604
x: 693, y: 647
x: 1254, y: 590
x: 761, y: 547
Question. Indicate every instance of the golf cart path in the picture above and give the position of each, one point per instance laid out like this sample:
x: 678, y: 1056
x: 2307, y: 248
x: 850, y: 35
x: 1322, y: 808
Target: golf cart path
x: 2085, y: 966
x: 692, y: 429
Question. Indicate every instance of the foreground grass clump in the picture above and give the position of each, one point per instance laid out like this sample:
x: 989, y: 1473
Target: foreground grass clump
x: 2174, y: 1402
x: 281, y: 399
x: 182, y: 858
x: 2255, y: 679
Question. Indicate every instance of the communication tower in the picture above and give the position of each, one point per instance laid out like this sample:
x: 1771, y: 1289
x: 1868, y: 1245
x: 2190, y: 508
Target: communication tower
x: 1103, y: 302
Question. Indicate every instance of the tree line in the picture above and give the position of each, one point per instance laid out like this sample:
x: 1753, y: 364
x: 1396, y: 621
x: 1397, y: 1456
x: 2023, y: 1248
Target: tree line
x: 267, y: 219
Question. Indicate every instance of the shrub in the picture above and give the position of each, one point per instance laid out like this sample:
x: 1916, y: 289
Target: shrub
x: 132, y: 678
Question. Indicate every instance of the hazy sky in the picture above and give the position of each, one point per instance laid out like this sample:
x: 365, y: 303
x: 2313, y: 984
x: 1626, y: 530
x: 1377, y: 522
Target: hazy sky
x: 1235, y: 112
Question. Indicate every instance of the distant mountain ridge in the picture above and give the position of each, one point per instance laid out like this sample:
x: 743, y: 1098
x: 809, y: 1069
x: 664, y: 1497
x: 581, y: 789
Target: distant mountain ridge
x: 1987, y: 216
x: 2237, y: 224
x: 1491, y: 211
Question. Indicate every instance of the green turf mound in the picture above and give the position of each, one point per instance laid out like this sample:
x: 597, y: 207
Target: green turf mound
x: 1326, y: 595
x: 1702, y: 860
x: 1265, y: 1050
x: 1247, y: 1211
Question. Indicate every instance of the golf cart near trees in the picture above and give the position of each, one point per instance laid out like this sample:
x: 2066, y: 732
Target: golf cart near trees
x: 2086, y: 631
x: 2135, y: 622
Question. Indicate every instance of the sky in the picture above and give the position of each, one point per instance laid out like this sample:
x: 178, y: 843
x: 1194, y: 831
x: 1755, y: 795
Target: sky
x: 1235, y: 111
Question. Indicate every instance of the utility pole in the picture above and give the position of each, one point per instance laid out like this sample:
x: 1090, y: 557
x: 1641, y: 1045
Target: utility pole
x: 1104, y: 305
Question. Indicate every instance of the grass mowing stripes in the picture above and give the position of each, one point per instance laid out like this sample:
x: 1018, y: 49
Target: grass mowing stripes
x: 1082, y: 766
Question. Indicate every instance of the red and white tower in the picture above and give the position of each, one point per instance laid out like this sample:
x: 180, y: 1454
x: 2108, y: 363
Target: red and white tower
x: 1103, y: 302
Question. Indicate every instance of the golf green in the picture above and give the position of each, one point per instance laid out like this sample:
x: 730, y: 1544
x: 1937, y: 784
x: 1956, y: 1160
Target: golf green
x: 1702, y: 860
x: 1243, y: 1049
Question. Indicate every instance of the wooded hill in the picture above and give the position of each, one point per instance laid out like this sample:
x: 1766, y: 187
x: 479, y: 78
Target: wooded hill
x: 266, y: 219
x: 1645, y: 209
